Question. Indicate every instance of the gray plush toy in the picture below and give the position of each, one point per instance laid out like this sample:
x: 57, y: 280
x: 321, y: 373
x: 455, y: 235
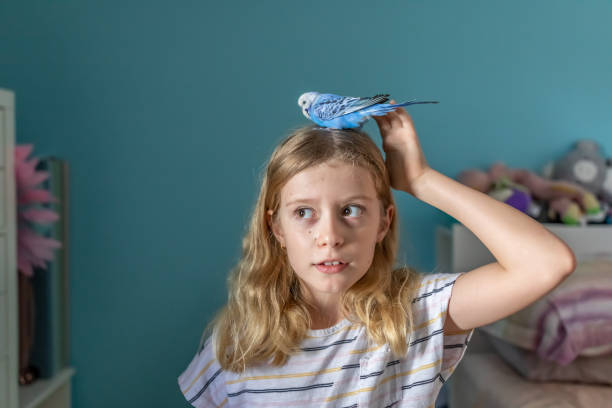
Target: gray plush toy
x: 584, y: 165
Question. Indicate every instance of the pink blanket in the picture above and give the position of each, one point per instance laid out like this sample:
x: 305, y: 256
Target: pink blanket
x: 574, y: 319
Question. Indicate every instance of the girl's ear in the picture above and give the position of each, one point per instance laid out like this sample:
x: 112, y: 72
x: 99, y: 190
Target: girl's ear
x: 385, y: 223
x: 274, y: 227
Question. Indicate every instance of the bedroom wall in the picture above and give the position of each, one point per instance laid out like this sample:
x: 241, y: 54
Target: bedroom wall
x: 167, y: 112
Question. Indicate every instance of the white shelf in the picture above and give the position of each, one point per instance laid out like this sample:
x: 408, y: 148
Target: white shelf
x: 43, y: 393
x: 36, y: 394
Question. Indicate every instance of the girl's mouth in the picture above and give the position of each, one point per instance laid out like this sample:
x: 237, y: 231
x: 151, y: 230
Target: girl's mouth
x: 330, y: 269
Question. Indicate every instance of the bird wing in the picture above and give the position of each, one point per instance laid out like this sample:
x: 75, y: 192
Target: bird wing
x: 331, y: 106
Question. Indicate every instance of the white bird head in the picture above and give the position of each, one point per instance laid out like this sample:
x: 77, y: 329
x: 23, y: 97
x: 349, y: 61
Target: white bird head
x: 305, y: 100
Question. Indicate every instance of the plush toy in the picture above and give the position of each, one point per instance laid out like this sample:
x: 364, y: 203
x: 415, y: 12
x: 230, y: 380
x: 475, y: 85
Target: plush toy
x: 567, y: 200
x: 606, y: 191
x: 515, y: 195
x: 503, y: 189
x: 584, y: 165
x: 606, y: 187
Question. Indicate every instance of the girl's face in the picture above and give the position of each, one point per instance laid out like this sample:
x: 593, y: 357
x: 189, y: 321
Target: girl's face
x: 330, y: 212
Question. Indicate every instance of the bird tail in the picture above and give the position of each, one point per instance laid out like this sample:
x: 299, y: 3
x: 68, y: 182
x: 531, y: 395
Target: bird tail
x: 413, y: 102
x: 384, y: 108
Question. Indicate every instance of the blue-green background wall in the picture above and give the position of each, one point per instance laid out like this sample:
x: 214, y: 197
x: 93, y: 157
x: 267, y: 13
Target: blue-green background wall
x: 168, y: 110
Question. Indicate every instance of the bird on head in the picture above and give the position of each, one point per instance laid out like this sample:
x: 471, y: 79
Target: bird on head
x: 346, y: 112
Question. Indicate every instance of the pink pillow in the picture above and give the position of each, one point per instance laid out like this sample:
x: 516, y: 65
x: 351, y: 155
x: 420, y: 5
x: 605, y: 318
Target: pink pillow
x: 575, y: 319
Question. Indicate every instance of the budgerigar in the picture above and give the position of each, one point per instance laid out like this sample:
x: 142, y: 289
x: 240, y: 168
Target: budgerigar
x: 346, y: 112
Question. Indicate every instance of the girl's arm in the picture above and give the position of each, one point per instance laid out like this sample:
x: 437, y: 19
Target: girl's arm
x: 531, y: 261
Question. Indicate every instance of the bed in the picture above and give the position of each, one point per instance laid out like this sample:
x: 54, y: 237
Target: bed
x: 488, y: 376
x: 485, y: 380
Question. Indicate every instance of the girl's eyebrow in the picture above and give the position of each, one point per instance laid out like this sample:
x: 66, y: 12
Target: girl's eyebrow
x: 311, y: 200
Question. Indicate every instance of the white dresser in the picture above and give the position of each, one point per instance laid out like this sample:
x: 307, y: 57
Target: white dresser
x: 43, y: 393
x: 459, y: 250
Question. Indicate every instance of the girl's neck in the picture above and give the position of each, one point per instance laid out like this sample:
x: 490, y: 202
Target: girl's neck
x: 320, y: 321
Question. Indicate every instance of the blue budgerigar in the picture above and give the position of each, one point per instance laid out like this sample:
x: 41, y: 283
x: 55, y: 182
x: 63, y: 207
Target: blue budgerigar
x: 346, y: 112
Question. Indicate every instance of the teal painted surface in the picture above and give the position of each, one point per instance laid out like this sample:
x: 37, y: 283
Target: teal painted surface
x: 167, y: 112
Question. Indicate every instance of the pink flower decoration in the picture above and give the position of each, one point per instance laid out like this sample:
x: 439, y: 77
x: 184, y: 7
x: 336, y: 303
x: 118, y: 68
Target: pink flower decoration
x: 33, y: 250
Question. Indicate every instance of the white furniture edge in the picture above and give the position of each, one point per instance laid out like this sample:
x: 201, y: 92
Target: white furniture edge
x: 7, y: 105
x: 585, y: 241
x: 52, y: 392
x: 43, y: 389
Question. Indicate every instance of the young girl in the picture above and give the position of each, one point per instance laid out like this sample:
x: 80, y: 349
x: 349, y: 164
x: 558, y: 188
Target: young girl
x: 316, y: 314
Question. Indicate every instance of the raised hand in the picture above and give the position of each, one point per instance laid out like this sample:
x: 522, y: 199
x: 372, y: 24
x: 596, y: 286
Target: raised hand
x: 404, y: 157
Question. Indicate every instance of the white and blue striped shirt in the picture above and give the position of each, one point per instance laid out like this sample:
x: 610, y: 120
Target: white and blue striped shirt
x: 338, y: 367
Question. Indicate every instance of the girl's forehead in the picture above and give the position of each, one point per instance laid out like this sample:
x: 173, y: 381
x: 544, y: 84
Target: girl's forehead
x: 336, y: 179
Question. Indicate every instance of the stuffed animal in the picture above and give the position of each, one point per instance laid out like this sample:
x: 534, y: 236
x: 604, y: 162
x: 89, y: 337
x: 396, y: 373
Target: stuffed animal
x: 502, y: 189
x: 606, y: 191
x: 569, y: 201
x: 606, y: 187
x: 515, y: 195
x: 584, y: 165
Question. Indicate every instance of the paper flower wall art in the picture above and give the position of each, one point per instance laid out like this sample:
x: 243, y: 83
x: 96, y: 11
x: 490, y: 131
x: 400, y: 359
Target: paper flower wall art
x: 33, y: 249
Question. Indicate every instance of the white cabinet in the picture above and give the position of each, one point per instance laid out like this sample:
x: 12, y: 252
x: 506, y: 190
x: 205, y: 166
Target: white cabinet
x: 459, y: 250
x: 44, y: 393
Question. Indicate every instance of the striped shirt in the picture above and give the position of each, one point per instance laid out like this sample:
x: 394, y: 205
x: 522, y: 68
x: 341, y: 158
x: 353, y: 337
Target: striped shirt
x: 338, y: 367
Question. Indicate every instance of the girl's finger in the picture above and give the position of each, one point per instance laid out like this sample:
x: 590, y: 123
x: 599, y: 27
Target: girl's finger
x: 394, y: 119
x: 402, y: 111
x: 404, y: 117
x: 409, y: 118
x: 393, y: 116
x: 382, y: 121
x: 389, y: 115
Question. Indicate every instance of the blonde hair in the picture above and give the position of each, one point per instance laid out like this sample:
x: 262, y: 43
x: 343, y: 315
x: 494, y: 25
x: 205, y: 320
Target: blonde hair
x: 266, y: 315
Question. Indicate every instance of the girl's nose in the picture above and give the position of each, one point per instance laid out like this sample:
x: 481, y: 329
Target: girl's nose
x: 329, y: 232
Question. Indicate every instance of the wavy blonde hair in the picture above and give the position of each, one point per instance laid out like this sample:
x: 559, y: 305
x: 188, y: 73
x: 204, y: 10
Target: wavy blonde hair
x: 266, y: 315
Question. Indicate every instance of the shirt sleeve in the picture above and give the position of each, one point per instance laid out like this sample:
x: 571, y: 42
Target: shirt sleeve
x: 435, y: 294
x: 202, y: 382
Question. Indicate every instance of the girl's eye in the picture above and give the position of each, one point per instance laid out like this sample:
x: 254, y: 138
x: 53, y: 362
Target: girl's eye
x: 357, y: 213
x: 300, y: 212
x: 351, y: 210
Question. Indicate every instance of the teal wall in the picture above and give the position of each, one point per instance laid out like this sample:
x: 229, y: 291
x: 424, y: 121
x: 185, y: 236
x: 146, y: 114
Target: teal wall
x: 168, y: 110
